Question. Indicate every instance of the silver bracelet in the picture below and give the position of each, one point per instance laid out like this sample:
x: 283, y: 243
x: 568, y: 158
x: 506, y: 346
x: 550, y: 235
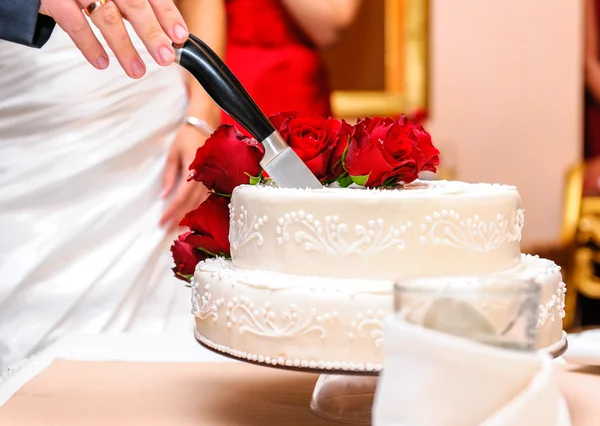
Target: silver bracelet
x: 199, y: 125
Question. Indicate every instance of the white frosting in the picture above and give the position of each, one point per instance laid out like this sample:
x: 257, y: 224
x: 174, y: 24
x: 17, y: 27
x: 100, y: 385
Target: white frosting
x: 332, y: 323
x: 459, y: 228
x: 312, y: 271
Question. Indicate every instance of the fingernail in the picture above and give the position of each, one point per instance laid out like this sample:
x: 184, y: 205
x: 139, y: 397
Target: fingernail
x: 166, y: 54
x: 102, y: 62
x: 138, y: 68
x: 180, y: 32
x: 163, y: 193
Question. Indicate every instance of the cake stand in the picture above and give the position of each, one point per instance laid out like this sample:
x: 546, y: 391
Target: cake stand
x: 347, y: 396
x: 339, y: 395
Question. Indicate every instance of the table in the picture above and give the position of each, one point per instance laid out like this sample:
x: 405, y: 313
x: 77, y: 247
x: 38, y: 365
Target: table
x: 138, y: 383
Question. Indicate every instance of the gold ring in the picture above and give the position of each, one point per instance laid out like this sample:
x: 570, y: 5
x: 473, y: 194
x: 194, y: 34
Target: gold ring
x: 93, y: 6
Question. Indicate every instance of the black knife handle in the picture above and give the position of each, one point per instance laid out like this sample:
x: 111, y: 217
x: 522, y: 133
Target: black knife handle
x: 222, y: 86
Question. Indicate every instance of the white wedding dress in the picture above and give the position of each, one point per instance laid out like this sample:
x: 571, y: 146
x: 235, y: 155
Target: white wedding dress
x: 81, y: 160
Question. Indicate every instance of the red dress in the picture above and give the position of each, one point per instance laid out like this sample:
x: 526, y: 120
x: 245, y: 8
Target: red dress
x: 274, y: 60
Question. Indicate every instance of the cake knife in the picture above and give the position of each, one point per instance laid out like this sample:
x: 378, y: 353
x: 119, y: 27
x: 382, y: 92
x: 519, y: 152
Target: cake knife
x: 280, y: 161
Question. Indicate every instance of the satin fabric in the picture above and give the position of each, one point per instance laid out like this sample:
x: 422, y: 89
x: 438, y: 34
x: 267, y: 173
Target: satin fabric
x: 433, y: 379
x: 81, y: 159
x: 275, y: 61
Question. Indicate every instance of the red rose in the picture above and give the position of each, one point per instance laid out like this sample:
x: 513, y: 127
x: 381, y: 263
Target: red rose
x: 336, y: 164
x: 210, y: 224
x: 426, y: 155
x: 312, y: 137
x: 380, y: 153
x: 185, y: 257
x: 418, y: 117
x: 226, y: 160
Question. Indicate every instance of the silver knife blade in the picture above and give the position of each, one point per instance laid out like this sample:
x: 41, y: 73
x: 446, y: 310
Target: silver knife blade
x: 284, y: 166
x: 288, y: 171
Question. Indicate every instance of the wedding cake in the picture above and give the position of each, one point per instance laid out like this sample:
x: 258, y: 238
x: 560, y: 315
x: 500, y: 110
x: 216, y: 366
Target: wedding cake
x: 304, y: 278
x: 311, y: 273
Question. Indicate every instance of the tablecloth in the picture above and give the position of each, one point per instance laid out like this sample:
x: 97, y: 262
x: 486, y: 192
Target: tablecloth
x: 170, y: 380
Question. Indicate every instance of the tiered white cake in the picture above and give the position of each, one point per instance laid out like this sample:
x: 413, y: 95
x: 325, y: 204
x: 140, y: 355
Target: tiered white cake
x: 312, y: 271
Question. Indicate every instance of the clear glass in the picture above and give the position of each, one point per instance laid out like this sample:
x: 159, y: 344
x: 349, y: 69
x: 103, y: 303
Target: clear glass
x: 344, y: 399
x: 497, y: 312
x: 494, y: 311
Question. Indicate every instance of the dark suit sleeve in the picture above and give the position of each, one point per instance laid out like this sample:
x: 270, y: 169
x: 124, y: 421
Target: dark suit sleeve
x: 21, y: 23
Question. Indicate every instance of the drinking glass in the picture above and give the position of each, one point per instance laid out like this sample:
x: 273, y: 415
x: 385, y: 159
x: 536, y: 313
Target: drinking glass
x: 501, y: 312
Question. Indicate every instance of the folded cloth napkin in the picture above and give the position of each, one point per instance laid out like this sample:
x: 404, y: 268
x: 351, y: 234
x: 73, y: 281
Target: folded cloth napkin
x: 584, y: 348
x: 435, y: 379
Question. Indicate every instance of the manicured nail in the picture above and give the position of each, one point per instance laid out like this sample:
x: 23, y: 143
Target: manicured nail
x: 138, y: 68
x: 180, y: 32
x: 102, y: 62
x: 166, y: 54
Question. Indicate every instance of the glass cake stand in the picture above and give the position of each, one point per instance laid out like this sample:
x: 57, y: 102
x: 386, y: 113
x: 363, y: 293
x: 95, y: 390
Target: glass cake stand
x: 346, y: 396
x: 339, y: 395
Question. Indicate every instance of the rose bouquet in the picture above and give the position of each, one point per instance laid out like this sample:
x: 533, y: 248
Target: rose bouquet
x: 375, y: 152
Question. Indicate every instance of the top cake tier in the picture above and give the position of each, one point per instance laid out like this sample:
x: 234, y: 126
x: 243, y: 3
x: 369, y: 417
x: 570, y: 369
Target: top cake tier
x: 427, y: 228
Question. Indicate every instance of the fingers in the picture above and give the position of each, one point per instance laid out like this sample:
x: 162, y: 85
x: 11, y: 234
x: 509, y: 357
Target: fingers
x: 146, y: 24
x: 170, y: 174
x: 157, y: 23
x: 170, y: 19
x: 177, y: 208
x: 69, y: 17
x: 109, y: 21
x: 188, y: 196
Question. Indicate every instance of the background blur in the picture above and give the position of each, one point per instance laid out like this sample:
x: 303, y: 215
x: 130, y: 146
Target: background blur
x: 502, y: 85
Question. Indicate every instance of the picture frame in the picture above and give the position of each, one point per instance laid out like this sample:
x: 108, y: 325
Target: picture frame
x: 398, y: 83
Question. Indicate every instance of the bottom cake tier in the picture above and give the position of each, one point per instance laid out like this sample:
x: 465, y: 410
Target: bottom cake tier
x: 325, y: 323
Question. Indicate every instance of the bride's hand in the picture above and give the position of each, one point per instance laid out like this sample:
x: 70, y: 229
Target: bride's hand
x: 187, y: 195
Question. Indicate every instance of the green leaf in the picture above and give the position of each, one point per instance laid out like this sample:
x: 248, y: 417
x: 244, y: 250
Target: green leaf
x: 187, y: 278
x: 222, y: 195
x: 345, y: 180
x: 343, y: 159
x: 208, y: 253
x: 391, y: 182
x: 211, y: 254
x: 254, y: 180
x: 361, y: 180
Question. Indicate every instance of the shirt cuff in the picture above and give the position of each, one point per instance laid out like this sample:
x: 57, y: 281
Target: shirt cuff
x: 43, y: 30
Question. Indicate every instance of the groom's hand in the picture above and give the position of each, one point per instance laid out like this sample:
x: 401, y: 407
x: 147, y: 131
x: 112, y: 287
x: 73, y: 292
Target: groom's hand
x: 157, y: 23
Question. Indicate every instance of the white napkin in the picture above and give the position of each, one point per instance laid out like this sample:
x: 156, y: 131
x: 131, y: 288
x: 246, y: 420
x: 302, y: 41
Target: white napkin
x: 435, y: 379
x: 584, y: 348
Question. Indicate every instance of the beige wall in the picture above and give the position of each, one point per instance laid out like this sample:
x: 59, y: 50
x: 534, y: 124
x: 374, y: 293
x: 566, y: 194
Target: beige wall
x: 505, y: 91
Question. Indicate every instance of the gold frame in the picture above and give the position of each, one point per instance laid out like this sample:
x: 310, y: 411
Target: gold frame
x: 570, y: 224
x: 581, y: 223
x: 409, y: 60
